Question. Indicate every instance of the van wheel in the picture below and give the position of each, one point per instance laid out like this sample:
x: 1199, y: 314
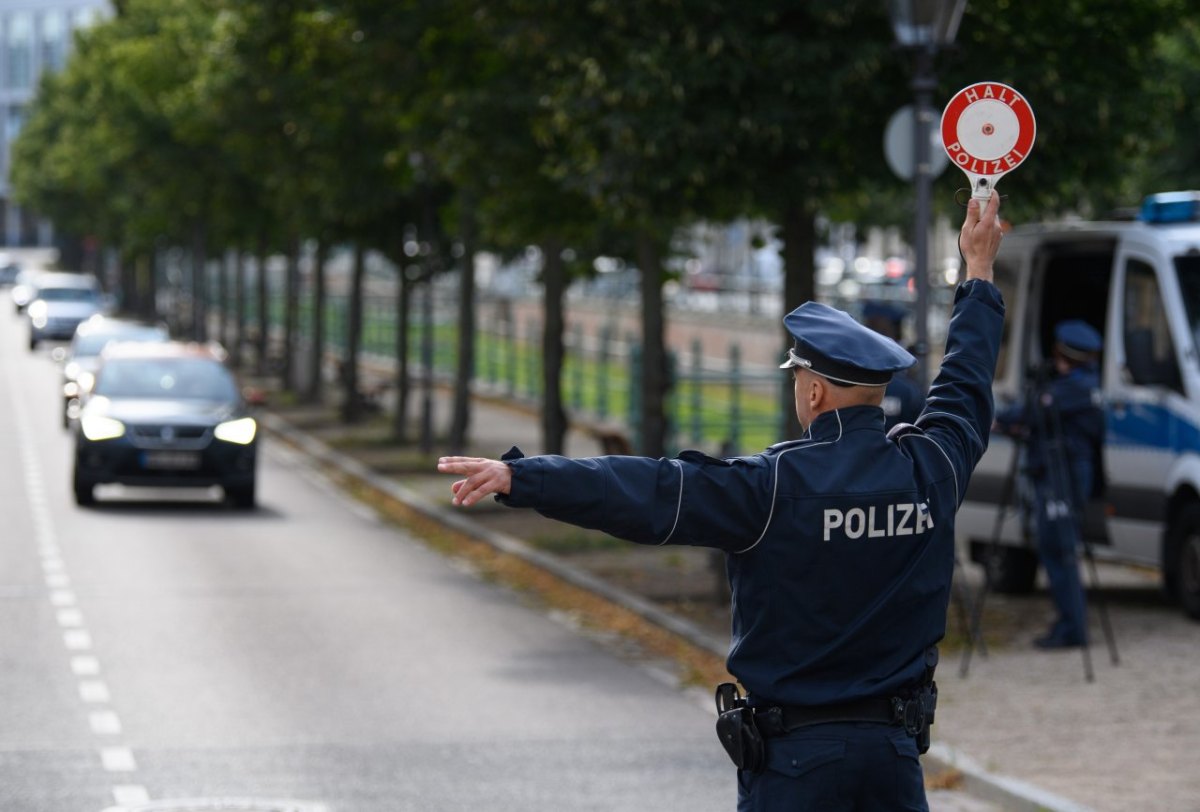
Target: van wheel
x: 1013, y: 570
x: 1181, y: 561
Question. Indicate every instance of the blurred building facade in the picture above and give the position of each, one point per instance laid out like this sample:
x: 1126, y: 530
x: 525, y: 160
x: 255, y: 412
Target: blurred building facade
x: 35, y: 36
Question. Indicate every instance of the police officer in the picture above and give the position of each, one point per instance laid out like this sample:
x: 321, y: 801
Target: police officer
x: 1064, y: 429
x: 903, y: 398
x: 840, y: 547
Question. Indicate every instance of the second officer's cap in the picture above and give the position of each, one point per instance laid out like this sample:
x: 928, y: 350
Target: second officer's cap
x: 1078, y: 338
x: 832, y: 344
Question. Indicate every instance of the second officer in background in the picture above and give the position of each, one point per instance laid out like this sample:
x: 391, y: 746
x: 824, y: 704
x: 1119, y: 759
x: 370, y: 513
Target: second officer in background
x: 1063, y: 427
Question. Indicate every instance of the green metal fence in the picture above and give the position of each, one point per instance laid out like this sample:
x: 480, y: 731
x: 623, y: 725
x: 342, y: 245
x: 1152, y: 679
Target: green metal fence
x: 714, y: 403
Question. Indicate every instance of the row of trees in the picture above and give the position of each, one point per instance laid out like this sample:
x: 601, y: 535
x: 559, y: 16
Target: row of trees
x: 598, y: 126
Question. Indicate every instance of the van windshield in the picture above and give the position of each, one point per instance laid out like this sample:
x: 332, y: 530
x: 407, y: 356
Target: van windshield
x: 1187, y: 268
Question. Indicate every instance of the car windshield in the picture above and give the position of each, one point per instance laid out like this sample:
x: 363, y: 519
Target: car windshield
x: 67, y: 295
x: 1187, y: 268
x: 166, y: 378
x: 86, y: 346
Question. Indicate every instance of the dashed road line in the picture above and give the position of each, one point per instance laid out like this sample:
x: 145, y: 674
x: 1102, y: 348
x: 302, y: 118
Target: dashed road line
x: 105, y: 723
x: 94, y: 692
x: 118, y: 759
x: 84, y: 665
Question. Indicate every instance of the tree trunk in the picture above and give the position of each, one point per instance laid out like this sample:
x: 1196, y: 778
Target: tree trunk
x: 291, y: 315
x: 239, y: 308
x: 223, y: 302
x: 200, y: 281
x: 554, y: 415
x: 799, y: 245
x: 262, y: 340
x: 147, y: 286
x: 352, y: 410
x: 654, y: 383
x: 404, y: 287
x: 316, y: 365
x: 464, y: 371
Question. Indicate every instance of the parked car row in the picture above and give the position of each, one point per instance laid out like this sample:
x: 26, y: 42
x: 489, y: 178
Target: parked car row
x: 144, y: 410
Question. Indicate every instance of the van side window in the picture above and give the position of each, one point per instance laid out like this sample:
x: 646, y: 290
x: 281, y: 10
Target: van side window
x: 1149, y: 351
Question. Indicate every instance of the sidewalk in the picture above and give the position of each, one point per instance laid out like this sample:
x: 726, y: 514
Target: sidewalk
x: 1023, y: 728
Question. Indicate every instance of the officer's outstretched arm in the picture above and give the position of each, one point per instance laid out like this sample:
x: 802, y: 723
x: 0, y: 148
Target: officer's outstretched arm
x: 695, y: 500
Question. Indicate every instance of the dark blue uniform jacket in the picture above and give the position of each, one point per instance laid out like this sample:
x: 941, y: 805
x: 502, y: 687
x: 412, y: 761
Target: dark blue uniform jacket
x: 840, y: 545
x: 1070, y: 405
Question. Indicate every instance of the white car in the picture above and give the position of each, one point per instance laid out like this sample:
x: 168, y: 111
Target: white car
x: 62, y: 302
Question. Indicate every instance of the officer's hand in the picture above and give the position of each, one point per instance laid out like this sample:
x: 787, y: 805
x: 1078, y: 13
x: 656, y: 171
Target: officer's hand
x: 483, y: 477
x: 980, y: 237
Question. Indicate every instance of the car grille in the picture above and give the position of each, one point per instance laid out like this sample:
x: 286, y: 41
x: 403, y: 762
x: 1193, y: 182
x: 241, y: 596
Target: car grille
x: 163, y: 435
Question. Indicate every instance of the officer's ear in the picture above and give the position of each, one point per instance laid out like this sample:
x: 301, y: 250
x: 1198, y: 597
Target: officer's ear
x: 817, y: 391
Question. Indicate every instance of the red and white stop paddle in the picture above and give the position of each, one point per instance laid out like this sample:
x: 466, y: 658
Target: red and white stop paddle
x: 988, y: 129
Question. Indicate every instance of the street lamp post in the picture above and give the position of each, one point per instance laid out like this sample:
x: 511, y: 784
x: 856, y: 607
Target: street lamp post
x: 923, y: 27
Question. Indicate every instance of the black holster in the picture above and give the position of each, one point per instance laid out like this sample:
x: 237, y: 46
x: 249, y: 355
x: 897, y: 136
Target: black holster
x: 916, y: 714
x: 737, y: 730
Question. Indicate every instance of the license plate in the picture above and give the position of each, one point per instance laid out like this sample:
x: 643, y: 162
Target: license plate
x: 171, y: 460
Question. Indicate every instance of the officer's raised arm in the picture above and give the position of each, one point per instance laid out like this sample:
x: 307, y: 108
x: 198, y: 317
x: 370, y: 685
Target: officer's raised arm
x: 959, y: 409
x: 980, y: 237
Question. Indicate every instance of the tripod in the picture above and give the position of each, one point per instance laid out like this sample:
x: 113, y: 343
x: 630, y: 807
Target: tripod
x: 1060, y: 505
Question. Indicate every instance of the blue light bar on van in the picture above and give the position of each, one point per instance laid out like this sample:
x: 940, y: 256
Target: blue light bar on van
x: 1171, y: 207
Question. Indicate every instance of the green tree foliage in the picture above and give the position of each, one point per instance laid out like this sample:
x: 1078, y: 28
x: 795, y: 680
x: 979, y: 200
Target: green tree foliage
x: 597, y: 126
x: 1103, y: 78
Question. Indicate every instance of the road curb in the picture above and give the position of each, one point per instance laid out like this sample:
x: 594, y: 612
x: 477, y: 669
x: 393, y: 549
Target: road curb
x: 1010, y: 793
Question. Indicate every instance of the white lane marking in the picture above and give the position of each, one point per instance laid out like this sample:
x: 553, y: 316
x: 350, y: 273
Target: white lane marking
x: 84, y: 665
x: 77, y: 640
x: 62, y: 597
x: 94, y: 691
x: 105, y: 723
x: 70, y: 618
x: 117, y: 759
x: 134, y: 794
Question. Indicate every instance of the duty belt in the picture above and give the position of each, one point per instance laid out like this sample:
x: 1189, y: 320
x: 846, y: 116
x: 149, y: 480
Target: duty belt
x: 776, y: 720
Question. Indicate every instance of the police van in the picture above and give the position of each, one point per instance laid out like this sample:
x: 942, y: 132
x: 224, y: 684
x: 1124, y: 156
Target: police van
x: 1138, y: 283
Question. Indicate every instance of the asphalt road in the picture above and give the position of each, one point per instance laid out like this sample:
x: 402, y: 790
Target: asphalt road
x: 165, y: 646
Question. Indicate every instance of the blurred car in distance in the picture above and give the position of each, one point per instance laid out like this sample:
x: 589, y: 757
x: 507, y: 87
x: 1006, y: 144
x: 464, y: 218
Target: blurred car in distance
x: 83, y: 354
x: 9, y: 270
x: 166, y: 414
x: 24, y: 288
x: 62, y: 301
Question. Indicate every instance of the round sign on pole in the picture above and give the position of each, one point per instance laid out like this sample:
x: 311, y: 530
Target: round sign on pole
x: 898, y: 146
x: 988, y: 129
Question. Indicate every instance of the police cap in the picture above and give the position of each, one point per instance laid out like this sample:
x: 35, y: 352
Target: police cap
x: 883, y: 310
x: 832, y: 344
x: 1077, y: 338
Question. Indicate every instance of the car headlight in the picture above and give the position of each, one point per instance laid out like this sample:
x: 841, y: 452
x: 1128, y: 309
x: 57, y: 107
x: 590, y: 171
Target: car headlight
x: 239, y: 431
x: 95, y: 427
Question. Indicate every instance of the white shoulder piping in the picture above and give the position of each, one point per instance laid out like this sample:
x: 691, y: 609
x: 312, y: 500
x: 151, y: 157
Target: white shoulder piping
x: 678, y: 504
x: 775, y: 485
x: 959, y: 418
